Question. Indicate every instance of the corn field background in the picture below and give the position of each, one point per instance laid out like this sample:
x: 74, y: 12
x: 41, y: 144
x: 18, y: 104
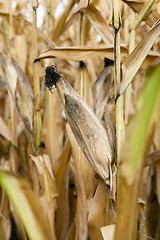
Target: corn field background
x: 79, y: 120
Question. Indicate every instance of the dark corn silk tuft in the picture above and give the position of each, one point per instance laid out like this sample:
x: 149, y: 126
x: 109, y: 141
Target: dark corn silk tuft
x: 51, y: 77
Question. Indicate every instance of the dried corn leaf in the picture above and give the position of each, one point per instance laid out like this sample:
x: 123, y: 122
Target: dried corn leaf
x: 60, y: 165
x: 81, y: 213
x: 153, y: 158
x: 108, y: 232
x: 97, y: 213
x: 61, y: 20
x: 81, y: 5
x: 101, y: 90
x: 19, y: 191
x: 47, y: 180
x: 5, y: 220
x: 111, y: 131
x: 133, y: 62
x: 136, y: 5
x: 96, y: 19
x: 6, y: 133
x: 9, y: 72
x: 152, y: 206
x: 152, y: 59
x: 81, y: 53
x: 158, y: 182
x: 20, y: 43
x: 99, y: 23
x: 24, y: 97
x: 63, y: 213
x: 53, y: 138
x: 71, y: 232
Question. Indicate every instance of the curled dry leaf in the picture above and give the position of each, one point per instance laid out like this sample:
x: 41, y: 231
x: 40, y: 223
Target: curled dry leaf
x: 24, y: 97
x: 9, y: 72
x: 133, y: 62
x: 99, y: 23
x: 153, y: 158
x: 19, y: 88
x: 6, y: 133
x: 61, y: 20
x: 111, y: 131
x: 101, y: 89
x: 95, y: 18
x: 137, y: 5
x: 46, y: 176
x: 81, y: 5
x: 98, y: 212
x: 82, y: 53
x: 88, y: 130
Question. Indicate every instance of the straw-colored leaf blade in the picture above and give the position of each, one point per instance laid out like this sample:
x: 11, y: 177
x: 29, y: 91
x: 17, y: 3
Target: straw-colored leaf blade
x: 151, y: 17
x: 99, y: 23
x: 27, y: 206
x: 108, y: 232
x: 60, y: 165
x: 53, y: 118
x: 6, y: 133
x: 81, y: 216
x: 153, y: 158
x: 81, y: 53
x: 133, y: 62
x: 97, y: 213
x: 61, y: 20
x: 24, y: 97
x: 9, y: 72
x: 101, y: 91
x: 138, y: 140
x: 81, y: 5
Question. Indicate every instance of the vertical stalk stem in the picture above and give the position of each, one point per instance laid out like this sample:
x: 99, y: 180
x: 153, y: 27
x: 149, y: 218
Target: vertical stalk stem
x: 117, y: 76
x: 36, y: 82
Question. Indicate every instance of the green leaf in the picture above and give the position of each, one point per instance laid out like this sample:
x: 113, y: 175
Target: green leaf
x: 27, y: 206
x: 134, y: 153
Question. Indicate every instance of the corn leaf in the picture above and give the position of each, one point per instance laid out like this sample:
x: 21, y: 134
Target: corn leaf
x: 97, y: 213
x: 99, y: 23
x: 135, y: 59
x: 108, y: 232
x: 137, y: 5
x: 81, y: 53
x: 61, y: 20
x: 9, y: 72
x: 27, y: 206
x: 139, y: 134
x: 24, y: 97
x: 6, y: 133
